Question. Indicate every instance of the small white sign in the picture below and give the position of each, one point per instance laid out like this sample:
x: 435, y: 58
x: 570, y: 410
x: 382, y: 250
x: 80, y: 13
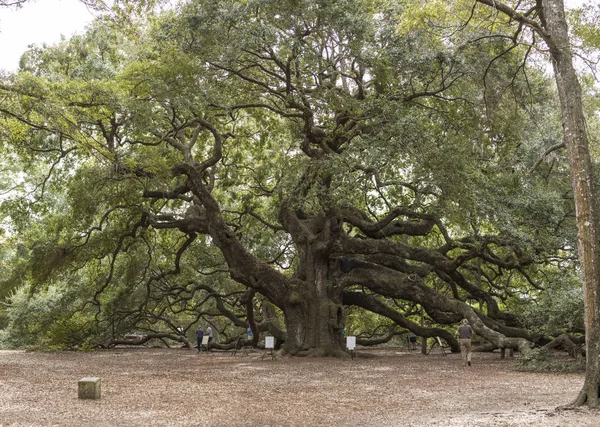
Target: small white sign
x: 269, y: 342
x: 350, y: 343
x: 205, y: 340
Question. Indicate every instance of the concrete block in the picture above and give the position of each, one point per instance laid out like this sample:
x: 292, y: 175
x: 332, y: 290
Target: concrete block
x: 89, y: 388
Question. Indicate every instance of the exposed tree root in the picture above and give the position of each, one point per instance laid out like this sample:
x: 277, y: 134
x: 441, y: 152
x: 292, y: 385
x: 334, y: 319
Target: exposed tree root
x: 589, y: 394
x: 564, y: 342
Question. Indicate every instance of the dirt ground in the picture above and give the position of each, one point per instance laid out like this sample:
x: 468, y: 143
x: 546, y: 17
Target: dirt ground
x: 179, y: 387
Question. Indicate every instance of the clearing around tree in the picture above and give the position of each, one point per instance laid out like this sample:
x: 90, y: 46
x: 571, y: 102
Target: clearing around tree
x: 392, y: 387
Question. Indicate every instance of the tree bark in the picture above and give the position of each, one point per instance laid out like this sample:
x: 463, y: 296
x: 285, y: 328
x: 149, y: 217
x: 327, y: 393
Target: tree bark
x: 372, y: 304
x: 411, y: 288
x: 582, y: 182
x: 314, y: 315
x: 564, y: 342
x: 553, y: 28
x: 310, y: 302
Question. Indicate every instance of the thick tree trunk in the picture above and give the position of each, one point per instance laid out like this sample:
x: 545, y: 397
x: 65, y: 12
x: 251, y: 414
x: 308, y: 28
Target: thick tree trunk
x: 310, y: 302
x: 315, y: 318
x: 582, y: 182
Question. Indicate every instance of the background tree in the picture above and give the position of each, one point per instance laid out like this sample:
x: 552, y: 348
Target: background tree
x: 547, y: 19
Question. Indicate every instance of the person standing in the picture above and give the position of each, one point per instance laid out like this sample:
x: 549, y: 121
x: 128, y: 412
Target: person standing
x: 464, y: 333
x: 412, y: 338
x: 199, y: 336
x: 209, y: 332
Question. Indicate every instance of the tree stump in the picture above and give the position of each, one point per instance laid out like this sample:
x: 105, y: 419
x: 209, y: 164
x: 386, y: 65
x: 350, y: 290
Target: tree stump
x: 89, y: 388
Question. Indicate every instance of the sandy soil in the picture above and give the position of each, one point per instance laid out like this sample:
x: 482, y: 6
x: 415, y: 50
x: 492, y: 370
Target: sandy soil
x: 161, y: 387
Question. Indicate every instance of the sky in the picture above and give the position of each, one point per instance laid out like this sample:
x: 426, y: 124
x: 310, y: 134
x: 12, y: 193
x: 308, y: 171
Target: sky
x: 44, y: 21
x: 38, y: 22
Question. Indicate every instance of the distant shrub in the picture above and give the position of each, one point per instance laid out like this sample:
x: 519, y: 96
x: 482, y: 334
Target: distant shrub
x: 46, y: 320
x: 544, y: 360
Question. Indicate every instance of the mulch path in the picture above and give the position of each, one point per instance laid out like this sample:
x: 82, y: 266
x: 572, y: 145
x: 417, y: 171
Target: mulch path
x: 179, y: 387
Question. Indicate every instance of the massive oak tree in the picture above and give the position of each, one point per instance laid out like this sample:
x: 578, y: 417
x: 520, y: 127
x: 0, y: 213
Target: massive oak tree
x: 312, y: 151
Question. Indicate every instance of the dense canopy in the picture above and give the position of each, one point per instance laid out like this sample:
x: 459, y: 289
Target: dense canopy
x: 307, y: 169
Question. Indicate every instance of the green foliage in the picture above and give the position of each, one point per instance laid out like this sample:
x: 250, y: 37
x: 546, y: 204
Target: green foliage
x: 585, y: 24
x: 544, y: 360
x: 40, y: 321
x: 99, y: 121
x: 364, y: 323
x: 558, y: 307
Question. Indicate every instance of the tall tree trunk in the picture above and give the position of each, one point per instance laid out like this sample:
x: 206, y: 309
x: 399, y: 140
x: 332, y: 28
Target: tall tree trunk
x: 554, y: 30
x: 315, y: 318
x: 310, y: 302
x: 582, y: 182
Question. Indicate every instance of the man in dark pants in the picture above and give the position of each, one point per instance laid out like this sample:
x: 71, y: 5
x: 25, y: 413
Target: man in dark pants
x: 464, y: 333
x: 199, y: 336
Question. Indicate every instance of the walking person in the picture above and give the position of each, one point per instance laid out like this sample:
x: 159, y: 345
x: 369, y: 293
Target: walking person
x: 209, y: 332
x: 464, y: 333
x: 199, y: 336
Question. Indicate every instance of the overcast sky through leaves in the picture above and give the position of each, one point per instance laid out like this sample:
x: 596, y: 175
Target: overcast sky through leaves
x: 44, y: 21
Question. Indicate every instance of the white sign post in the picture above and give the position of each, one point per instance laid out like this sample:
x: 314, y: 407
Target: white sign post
x: 204, y: 343
x: 269, y: 345
x: 351, y: 345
